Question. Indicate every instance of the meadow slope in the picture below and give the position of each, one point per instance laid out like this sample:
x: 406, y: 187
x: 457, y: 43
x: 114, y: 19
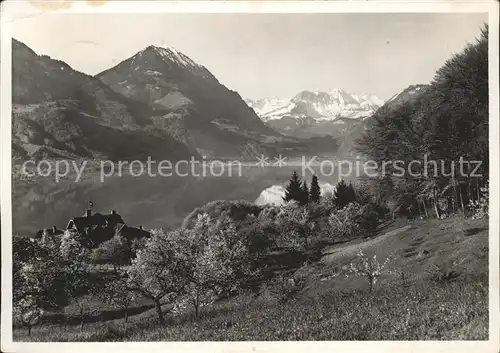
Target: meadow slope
x: 436, y: 287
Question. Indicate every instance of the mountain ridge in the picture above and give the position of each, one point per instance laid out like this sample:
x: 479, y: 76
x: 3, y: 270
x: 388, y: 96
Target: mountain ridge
x: 409, y: 94
x: 59, y: 112
x: 190, y: 103
x: 311, y: 114
x: 319, y: 105
x: 161, y: 70
x: 161, y: 102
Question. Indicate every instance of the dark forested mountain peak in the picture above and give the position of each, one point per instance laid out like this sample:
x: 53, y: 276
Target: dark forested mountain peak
x: 60, y: 112
x: 214, y: 119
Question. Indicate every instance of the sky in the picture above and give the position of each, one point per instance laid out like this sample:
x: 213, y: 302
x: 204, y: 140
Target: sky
x: 266, y: 55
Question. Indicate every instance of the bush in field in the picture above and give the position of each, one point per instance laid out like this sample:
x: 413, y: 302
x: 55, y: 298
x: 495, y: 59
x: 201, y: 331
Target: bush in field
x: 114, y: 251
x: 46, y: 280
x: 370, y: 269
x: 22, y: 251
x: 118, y: 294
x: 268, y: 214
x: 344, y: 222
x: 260, y: 236
x: 219, y: 261
x: 43, y: 276
x: 85, y: 306
x: 47, y: 240
x: 369, y: 218
x: 267, y: 217
x: 137, y: 244
x: 27, y: 312
x: 237, y: 210
x: 364, y: 192
x: 203, y: 275
x: 284, y: 288
x: 266, y: 224
x: 232, y: 251
x: 243, y: 214
x: 71, y: 247
x: 480, y: 207
x: 326, y: 205
x: 160, y: 270
x: 443, y: 273
x: 78, y: 286
x: 193, y: 266
x: 295, y: 227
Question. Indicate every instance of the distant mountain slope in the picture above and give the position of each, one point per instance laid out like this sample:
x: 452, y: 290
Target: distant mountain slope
x: 181, y: 111
x: 343, y: 129
x: 409, y: 94
x: 189, y: 102
x: 310, y: 114
x: 60, y: 112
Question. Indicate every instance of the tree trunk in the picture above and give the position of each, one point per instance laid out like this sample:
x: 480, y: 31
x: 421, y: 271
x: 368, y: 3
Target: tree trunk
x: 29, y: 330
x: 81, y: 319
x: 436, y: 204
x: 450, y: 202
x: 436, y: 209
x: 478, y: 189
x: 469, y: 191
x: 425, y: 208
x: 126, y: 321
x: 370, y: 279
x: 159, y: 312
x: 196, y: 309
x: 462, y: 201
x: 196, y: 303
x: 456, y: 195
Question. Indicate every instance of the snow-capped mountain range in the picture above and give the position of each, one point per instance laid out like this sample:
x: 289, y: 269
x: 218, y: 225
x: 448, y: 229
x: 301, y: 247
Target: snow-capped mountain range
x: 314, y: 114
x: 331, y: 105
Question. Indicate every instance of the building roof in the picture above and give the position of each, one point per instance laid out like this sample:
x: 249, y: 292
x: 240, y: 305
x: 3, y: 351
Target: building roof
x: 131, y: 232
x: 97, y: 219
x: 50, y: 232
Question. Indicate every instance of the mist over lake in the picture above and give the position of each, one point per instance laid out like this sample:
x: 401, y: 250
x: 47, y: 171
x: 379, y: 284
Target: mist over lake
x: 154, y: 202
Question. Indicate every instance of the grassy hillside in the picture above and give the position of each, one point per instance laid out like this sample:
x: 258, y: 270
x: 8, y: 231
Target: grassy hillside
x: 436, y: 287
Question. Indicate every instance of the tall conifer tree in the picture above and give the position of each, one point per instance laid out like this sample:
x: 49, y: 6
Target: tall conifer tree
x: 293, y: 191
x: 314, y: 190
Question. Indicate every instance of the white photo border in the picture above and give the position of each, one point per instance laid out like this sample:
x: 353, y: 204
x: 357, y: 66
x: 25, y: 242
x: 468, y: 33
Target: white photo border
x: 16, y: 10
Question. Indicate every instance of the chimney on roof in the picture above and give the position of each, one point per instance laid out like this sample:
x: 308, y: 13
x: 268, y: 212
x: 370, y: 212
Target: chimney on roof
x: 89, y: 212
x: 113, y: 212
x: 140, y: 227
x: 54, y: 230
